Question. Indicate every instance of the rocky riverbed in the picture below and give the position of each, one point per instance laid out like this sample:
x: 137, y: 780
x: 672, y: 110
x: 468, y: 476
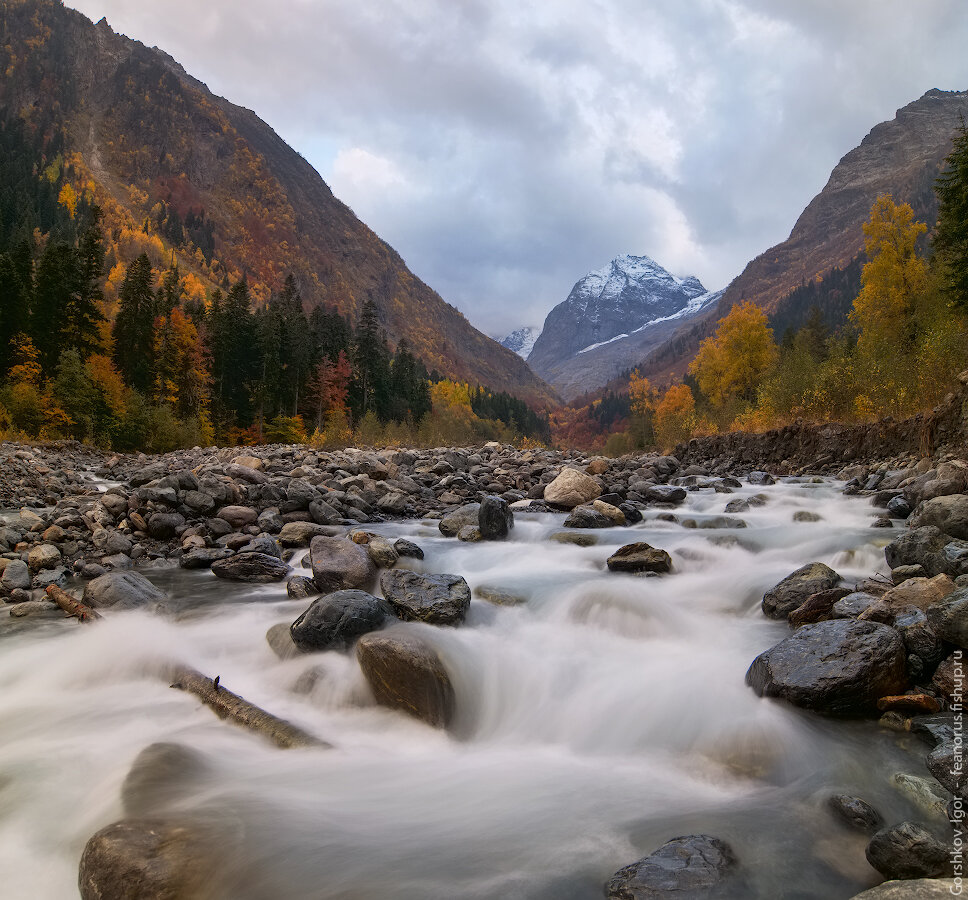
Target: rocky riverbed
x: 574, y: 631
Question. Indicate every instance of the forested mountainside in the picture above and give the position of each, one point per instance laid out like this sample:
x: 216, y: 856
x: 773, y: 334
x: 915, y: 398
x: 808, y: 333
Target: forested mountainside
x: 183, y: 174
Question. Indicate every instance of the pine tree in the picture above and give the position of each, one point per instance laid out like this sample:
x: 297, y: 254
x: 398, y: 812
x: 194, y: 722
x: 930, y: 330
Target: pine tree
x: 170, y: 292
x: 57, y: 281
x: 950, y: 239
x: 14, y: 309
x: 134, y: 326
x: 84, y: 314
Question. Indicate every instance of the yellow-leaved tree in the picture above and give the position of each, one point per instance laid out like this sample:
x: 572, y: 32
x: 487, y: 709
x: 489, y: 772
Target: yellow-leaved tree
x: 675, y: 416
x: 731, y: 364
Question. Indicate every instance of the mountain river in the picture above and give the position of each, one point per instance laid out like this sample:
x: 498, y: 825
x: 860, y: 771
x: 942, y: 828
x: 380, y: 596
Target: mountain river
x: 597, y: 720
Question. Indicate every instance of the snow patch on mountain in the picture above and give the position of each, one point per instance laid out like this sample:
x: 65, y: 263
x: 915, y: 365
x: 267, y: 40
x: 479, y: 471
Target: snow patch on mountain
x: 521, y: 341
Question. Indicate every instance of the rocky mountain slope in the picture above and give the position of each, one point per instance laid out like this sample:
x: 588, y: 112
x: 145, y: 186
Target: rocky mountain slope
x: 901, y: 157
x: 144, y: 132
x: 610, y: 320
x: 521, y: 340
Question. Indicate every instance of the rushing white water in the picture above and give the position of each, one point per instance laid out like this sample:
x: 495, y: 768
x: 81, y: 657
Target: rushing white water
x: 602, y: 717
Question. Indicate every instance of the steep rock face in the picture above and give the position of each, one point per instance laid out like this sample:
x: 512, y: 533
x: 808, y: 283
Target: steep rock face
x: 148, y: 132
x: 901, y: 157
x: 609, y: 320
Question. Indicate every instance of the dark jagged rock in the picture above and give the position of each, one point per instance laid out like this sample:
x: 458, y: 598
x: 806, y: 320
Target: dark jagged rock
x: 435, y: 599
x: 495, y: 519
x: 255, y: 568
x: 639, y: 557
x: 856, y: 813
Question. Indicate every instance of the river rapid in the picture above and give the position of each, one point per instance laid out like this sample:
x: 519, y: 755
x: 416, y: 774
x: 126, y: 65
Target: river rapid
x: 600, y: 718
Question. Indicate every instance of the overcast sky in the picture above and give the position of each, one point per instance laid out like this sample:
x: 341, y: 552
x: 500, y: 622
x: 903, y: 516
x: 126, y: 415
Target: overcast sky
x: 505, y: 148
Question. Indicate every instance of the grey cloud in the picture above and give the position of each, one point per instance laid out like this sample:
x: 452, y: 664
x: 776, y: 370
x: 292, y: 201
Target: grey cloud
x: 505, y: 149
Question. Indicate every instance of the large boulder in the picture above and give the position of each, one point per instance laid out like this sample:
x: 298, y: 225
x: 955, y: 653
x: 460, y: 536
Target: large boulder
x: 151, y: 859
x: 693, y: 866
x: 405, y: 672
x: 299, y: 534
x: 571, y: 488
x: 161, y: 775
x: 121, y: 590
x: 451, y: 523
x: 907, y: 850
x: 919, y: 592
x: 949, y: 513
x: 339, y: 564
x: 495, y: 519
x: 782, y: 599
x: 252, y: 567
x: 639, y: 557
x: 840, y: 667
x: 338, y: 619
x: 949, y: 619
x: 435, y: 599
x: 929, y: 547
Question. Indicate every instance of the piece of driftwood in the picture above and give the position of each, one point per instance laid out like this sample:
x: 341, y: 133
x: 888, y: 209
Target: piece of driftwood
x: 70, y: 605
x: 227, y: 705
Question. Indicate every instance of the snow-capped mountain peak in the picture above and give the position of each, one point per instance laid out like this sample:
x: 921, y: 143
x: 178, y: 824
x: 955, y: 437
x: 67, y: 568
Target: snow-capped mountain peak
x: 521, y: 341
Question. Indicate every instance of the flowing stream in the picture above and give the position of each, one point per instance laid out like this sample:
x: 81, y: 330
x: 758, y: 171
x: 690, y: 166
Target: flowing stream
x: 597, y: 720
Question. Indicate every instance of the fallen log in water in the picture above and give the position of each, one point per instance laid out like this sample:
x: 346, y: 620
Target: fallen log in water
x: 71, y: 605
x: 227, y: 705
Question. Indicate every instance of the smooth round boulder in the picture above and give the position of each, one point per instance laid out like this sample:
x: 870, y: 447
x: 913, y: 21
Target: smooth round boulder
x: 907, y: 850
x: 434, y: 599
x: 253, y: 568
x: 339, y: 564
x: 299, y: 534
x: 151, y: 859
x: 333, y: 622
x: 121, y: 590
x: 238, y: 516
x: 783, y: 598
x: 639, y: 557
x: 693, y: 866
x: 495, y: 519
x: 405, y: 672
x: 669, y: 494
x: 279, y: 638
x: 162, y: 774
x: 839, y: 667
x: 571, y: 488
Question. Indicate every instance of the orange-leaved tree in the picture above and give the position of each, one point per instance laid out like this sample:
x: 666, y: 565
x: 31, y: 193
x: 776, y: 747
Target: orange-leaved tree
x: 731, y: 364
x: 675, y: 416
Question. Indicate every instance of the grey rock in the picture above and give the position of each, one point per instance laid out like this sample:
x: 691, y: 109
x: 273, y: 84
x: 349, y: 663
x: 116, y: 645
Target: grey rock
x: 299, y: 587
x: 949, y: 619
x: 408, y: 549
x: 203, y: 557
x: 949, y: 514
x: 856, y: 813
x: 279, y: 639
x: 907, y: 850
x: 693, y: 866
x: 587, y: 517
x: 435, y: 599
x: 121, y: 590
x: 453, y: 521
x: 792, y: 591
x: 912, y: 889
x: 16, y: 575
x: 339, y: 564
